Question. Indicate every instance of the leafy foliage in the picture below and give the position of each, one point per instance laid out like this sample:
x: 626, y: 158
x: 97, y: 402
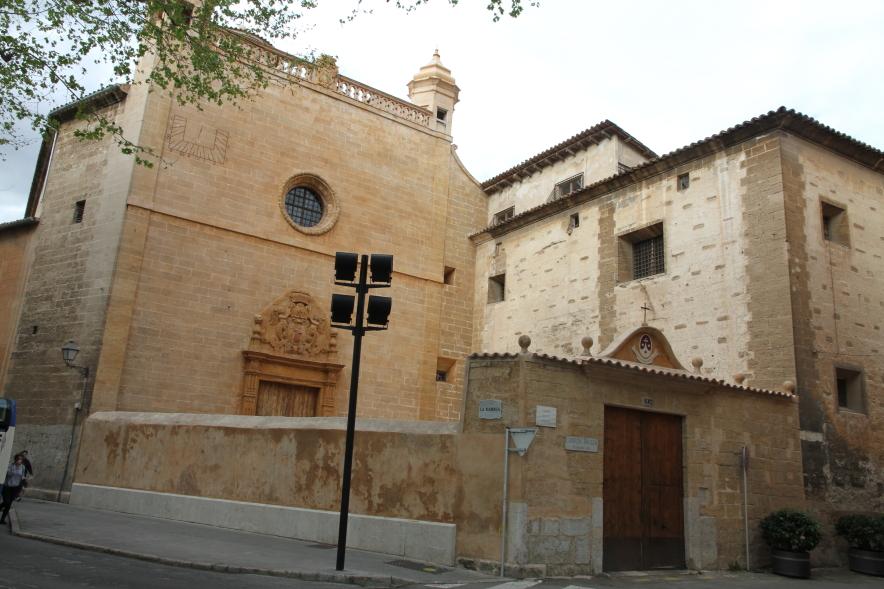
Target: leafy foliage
x: 865, y: 532
x: 788, y: 529
x: 202, y: 51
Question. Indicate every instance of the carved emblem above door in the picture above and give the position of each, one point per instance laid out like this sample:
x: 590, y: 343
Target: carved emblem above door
x: 291, y: 360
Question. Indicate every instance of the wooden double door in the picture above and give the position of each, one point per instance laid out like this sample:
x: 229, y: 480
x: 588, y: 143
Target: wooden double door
x: 643, y: 491
x: 279, y: 398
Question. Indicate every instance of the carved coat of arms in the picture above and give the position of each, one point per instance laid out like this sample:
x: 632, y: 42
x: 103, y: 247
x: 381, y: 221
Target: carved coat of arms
x: 294, y: 325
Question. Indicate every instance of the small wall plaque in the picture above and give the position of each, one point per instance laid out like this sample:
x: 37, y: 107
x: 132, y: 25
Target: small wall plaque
x: 545, y: 416
x: 490, y: 409
x: 581, y: 444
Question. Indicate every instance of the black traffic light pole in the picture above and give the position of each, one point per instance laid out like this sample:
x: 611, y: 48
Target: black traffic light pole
x: 358, y: 332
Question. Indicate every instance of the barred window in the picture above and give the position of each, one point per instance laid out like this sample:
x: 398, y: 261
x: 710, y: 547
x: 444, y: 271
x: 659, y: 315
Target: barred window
x: 641, y: 253
x: 79, y: 211
x: 303, y: 206
x: 647, y: 257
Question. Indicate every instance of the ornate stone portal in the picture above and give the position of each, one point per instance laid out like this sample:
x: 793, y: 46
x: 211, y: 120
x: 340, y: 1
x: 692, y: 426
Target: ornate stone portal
x: 290, y: 365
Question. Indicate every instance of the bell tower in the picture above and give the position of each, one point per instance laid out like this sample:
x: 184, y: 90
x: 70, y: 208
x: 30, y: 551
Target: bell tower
x: 433, y: 88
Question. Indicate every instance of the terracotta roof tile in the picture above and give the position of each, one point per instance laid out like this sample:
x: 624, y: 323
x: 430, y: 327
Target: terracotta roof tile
x: 790, y: 120
x: 548, y: 157
x: 645, y: 369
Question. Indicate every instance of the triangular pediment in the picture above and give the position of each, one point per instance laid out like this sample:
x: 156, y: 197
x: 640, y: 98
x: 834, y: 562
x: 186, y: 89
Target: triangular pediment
x: 645, y: 345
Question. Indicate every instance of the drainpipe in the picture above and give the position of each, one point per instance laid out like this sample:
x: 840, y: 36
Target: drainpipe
x: 744, y: 466
x: 506, y: 471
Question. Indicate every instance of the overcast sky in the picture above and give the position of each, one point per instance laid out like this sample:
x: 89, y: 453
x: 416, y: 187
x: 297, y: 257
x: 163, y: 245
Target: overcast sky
x: 670, y: 73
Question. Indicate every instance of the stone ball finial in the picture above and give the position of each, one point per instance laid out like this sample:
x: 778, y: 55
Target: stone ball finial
x: 789, y: 387
x: 586, y: 342
x: 524, y: 343
x: 739, y: 378
x: 697, y: 363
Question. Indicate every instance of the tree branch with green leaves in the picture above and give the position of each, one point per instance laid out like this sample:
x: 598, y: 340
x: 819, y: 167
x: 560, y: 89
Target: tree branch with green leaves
x: 202, y: 52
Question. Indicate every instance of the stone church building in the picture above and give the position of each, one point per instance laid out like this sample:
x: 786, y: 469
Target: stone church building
x: 722, y: 300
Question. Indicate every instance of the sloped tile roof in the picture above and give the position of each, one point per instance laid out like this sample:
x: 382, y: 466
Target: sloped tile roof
x: 641, y: 368
x: 789, y: 120
x: 563, y: 150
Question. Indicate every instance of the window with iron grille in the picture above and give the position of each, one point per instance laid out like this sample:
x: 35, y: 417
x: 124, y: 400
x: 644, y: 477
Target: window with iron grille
x: 641, y: 253
x: 303, y: 206
x: 647, y: 257
x: 504, y: 215
x: 79, y: 211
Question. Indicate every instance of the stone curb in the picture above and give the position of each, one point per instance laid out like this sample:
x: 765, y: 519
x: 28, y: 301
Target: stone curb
x: 364, y: 580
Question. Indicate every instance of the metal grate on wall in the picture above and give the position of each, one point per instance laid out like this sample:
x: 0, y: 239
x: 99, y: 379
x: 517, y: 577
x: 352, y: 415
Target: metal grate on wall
x: 647, y: 257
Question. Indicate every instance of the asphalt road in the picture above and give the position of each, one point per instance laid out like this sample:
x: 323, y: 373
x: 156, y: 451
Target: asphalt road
x: 30, y: 564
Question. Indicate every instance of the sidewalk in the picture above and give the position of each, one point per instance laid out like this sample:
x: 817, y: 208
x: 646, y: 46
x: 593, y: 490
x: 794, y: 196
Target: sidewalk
x: 218, y: 549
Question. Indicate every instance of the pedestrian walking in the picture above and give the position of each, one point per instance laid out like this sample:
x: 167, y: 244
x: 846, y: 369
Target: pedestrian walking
x: 29, y: 472
x: 12, y: 485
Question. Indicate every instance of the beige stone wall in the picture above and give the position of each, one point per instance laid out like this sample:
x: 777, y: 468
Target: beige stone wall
x: 413, y: 471
x: 557, y: 494
x: 724, y: 295
x: 838, y: 301
x: 66, y: 293
x: 207, y: 246
x: 14, y: 258
x: 596, y: 162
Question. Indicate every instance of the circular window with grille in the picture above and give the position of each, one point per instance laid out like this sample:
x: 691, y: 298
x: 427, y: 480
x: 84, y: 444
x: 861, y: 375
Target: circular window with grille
x: 309, y: 204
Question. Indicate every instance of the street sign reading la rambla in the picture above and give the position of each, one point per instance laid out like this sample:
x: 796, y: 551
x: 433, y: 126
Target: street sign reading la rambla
x: 490, y: 409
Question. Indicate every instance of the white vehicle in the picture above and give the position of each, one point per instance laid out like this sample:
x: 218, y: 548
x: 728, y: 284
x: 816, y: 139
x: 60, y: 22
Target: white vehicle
x: 7, y: 431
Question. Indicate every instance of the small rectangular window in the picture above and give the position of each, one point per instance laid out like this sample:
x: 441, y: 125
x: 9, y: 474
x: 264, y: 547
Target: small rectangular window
x: 834, y: 221
x: 496, y: 288
x: 641, y: 253
x: 504, y: 215
x: 573, y: 222
x: 448, y: 276
x: 851, y: 389
x: 79, y: 211
x: 441, y: 114
x: 683, y: 182
x: 443, y: 368
x: 566, y: 187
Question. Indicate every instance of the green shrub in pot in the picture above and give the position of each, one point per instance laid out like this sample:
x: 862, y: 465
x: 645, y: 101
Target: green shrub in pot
x: 791, y: 530
x: 865, y: 532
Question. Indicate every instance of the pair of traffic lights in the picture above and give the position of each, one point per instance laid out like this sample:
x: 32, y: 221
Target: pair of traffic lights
x: 378, y: 308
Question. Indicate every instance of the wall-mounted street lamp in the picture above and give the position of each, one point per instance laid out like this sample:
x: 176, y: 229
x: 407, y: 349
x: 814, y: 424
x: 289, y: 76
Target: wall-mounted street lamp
x: 69, y: 352
x: 346, y: 266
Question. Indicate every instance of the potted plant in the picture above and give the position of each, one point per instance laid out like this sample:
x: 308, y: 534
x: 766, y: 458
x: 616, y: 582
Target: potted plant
x: 865, y: 534
x: 791, y: 535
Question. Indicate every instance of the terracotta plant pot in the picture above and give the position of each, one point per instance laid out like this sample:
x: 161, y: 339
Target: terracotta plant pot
x: 868, y: 562
x: 791, y: 564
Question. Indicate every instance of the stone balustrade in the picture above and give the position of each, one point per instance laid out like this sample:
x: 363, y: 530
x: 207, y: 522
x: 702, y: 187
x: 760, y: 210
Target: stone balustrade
x: 324, y: 72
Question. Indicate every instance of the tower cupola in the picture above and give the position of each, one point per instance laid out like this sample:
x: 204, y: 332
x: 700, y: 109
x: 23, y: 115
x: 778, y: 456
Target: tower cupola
x: 433, y: 88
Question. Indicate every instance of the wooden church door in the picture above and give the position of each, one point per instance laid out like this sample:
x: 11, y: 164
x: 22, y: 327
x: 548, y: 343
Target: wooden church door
x: 643, y: 491
x: 277, y: 398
